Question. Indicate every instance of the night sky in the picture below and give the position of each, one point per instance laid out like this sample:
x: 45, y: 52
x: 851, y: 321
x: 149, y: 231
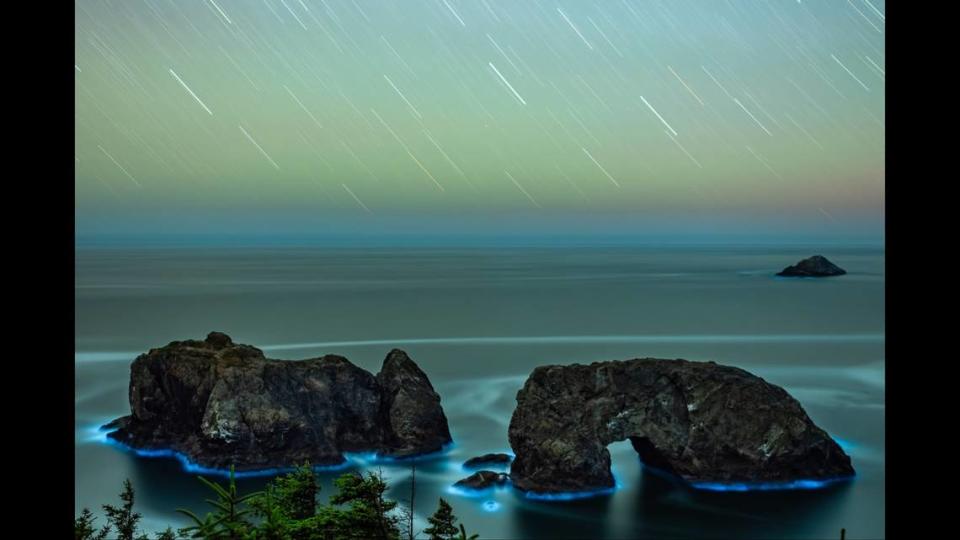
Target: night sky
x: 358, y: 117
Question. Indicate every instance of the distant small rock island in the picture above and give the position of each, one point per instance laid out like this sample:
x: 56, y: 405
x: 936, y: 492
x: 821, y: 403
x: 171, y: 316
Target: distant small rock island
x: 816, y: 266
x: 220, y: 404
x: 699, y: 421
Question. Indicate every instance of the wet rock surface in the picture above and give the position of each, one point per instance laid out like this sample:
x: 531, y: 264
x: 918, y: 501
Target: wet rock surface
x: 221, y: 404
x: 483, y: 480
x: 699, y: 421
x: 488, y: 459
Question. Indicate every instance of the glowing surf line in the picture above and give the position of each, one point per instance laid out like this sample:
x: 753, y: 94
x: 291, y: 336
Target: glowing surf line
x: 490, y: 506
x: 569, y: 495
x: 351, y: 459
x: 471, y: 493
x: 788, y: 485
x: 532, y: 495
x: 770, y: 486
x: 191, y: 467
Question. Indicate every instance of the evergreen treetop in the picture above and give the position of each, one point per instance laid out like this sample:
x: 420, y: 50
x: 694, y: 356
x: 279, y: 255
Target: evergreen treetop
x: 286, y: 510
x: 442, y: 523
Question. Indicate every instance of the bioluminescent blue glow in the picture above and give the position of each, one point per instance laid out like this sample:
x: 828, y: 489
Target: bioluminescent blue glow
x: 570, y: 495
x: 471, y: 493
x: 844, y: 444
x: 192, y: 467
x: 374, y: 458
x: 95, y: 433
x: 806, y: 484
x: 802, y: 484
x: 491, y: 506
x: 564, y: 496
x: 575, y: 495
x: 350, y: 459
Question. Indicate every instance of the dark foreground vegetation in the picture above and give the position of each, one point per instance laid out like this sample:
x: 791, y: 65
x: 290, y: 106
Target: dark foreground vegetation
x: 286, y: 510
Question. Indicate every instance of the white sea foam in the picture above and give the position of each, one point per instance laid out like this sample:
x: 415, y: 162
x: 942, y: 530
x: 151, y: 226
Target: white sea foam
x: 110, y: 356
x: 541, y: 340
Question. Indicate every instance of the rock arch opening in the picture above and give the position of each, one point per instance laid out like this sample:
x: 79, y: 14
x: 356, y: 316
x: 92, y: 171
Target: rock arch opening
x: 650, y: 455
x: 699, y: 421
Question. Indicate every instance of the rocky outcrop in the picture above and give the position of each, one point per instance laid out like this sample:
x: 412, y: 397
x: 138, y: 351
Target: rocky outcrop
x: 221, y: 404
x: 700, y: 421
x: 482, y: 480
x: 487, y: 459
x: 816, y: 266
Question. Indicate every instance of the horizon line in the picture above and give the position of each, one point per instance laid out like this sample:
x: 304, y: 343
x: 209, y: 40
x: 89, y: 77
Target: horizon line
x: 865, y: 337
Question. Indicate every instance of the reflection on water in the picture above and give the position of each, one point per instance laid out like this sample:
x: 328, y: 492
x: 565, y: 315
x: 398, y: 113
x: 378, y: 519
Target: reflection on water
x: 478, y: 332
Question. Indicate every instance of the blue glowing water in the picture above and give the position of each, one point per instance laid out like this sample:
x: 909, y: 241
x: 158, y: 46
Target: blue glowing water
x: 771, y: 486
x: 471, y: 493
x: 490, y: 506
x: 351, y: 459
x: 478, y: 321
x: 192, y: 467
x: 569, y: 495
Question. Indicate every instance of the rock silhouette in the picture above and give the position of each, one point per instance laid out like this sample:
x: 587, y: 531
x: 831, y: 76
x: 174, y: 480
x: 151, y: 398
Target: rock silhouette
x: 816, y: 266
x: 699, y: 421
x: 222, y: 404
x: 487, y: 459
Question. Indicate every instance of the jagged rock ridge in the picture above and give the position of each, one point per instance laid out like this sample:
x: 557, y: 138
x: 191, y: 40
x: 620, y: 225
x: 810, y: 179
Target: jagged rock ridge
x: 700, y: 421
x: 221, y: 404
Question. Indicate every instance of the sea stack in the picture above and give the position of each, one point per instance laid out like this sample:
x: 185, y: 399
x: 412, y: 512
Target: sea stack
x: 816, y: 266
x: 699, y: 421
x: 220, y: 404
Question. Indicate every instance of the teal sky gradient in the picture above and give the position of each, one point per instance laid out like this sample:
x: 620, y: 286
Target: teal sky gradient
x: 497, y: 117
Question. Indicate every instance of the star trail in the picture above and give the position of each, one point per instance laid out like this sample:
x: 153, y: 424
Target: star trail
x: 284, y: 108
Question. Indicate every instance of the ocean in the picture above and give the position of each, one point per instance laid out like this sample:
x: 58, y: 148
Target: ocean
x: 478, y: 320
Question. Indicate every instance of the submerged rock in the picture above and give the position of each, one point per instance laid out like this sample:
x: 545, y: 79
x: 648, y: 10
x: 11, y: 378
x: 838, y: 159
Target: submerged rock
x: 491, y: 459
x: 482, y: 480
x: 816, y: 266
x: 223, y: 404
x: 700, y: 421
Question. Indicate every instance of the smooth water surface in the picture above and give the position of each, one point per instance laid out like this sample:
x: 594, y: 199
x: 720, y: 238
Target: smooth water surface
x: 478, y: 321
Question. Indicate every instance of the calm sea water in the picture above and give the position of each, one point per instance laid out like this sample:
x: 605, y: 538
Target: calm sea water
x: 478, y: 321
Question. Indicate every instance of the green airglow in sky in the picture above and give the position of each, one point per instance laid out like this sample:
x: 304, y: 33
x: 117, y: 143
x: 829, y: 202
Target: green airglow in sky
x: 369, y: 115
